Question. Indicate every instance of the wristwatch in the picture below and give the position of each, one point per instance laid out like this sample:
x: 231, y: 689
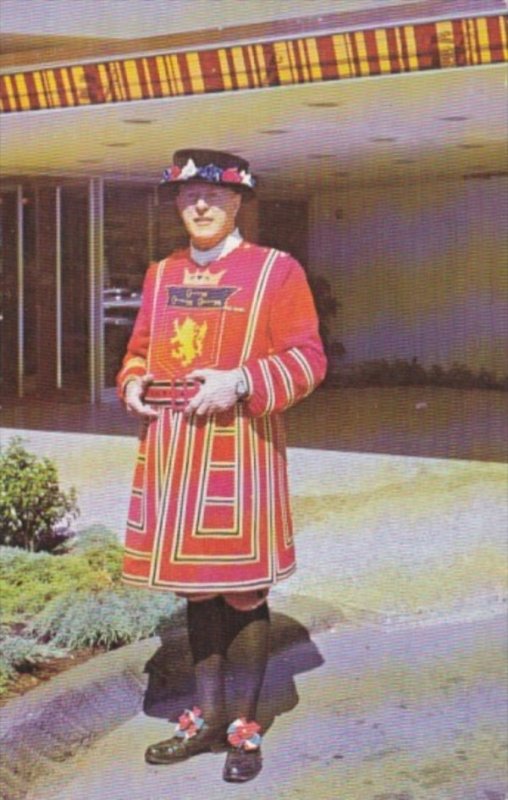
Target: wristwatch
x: 241, y: 388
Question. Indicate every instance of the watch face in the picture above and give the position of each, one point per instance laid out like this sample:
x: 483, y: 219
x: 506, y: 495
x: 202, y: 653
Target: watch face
x: 241, y: 388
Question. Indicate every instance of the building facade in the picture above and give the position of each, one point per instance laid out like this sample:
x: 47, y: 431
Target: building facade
x: 379, y: 137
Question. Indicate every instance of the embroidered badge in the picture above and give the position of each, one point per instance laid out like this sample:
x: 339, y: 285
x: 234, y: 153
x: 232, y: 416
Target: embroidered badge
x: 202, y: 277
x: 210, y: 297
x: 189, y: 339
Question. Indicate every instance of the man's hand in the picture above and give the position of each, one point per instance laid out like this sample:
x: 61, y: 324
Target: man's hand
x: 218, y: 392
x: 134, y: 392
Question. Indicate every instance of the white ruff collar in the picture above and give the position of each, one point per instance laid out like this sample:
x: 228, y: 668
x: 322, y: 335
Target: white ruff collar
x: 203, y: 257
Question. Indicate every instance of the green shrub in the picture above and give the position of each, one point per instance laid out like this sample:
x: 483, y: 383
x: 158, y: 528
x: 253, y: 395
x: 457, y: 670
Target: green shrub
x: 400, y: 372
x: 326, y: 307
x: 35, y: 513
x: 29, y: 581
x: 5, y: 675
x: 109, y: 618
x: 101, y: 550
x: 24, y: 653
x: 68, y: 602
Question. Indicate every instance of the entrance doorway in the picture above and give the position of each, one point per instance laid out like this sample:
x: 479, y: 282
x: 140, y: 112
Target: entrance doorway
x: 44, y: 312
x: 284, y: 225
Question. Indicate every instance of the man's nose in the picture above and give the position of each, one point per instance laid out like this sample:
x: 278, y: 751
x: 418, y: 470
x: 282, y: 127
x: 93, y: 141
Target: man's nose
x: 201, y: 204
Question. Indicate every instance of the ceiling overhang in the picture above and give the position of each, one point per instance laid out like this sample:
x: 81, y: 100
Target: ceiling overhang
x: 464, y: 41
x: 368, y: 100
x: 34, y: 49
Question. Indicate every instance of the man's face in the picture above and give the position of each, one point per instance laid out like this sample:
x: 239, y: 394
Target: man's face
x: 208, y: 212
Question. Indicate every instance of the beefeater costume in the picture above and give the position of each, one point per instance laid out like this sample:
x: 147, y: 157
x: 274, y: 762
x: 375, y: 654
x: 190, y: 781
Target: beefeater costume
x: 209, y: 514
x: 209, y: 509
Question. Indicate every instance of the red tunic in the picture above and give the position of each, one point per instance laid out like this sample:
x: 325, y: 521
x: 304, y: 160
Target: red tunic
x: 209, y: 509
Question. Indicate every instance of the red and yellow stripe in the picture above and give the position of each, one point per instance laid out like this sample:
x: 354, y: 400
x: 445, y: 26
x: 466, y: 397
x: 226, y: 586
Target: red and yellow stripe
x: 467, y: 42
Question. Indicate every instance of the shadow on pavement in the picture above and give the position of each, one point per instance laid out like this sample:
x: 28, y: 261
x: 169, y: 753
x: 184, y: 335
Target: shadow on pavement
x: 171, y: 676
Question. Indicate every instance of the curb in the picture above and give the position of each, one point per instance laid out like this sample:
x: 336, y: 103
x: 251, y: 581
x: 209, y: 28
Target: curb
x: 49, y: 724
x: 52, y: 722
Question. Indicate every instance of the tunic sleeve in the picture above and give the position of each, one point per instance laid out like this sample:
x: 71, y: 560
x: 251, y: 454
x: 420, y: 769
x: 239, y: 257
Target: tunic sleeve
x: 295, y: 363
x: 135, y: 359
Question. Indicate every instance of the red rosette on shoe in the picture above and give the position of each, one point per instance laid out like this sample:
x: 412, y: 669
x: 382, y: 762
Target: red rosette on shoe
x: 244, y: 735
x: 189, y: 723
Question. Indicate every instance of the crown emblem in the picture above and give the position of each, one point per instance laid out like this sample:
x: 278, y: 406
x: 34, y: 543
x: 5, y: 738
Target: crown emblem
x: 202, y: 277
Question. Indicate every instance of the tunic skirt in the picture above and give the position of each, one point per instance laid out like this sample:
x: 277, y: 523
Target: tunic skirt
x: 209, y: 508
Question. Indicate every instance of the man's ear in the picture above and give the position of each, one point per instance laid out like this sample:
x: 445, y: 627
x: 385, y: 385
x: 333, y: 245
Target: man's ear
x: 177, y: 203
x: 237, y: 202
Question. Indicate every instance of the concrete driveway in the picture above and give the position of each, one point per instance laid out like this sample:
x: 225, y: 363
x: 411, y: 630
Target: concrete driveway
x: 395, y: 536
x: 395, y: 688
x: 353, y: 713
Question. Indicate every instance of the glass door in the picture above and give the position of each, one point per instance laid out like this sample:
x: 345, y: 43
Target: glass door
x: 18, y: 322
x: 10, y: 287
x: 44, y: 297
x: 73, y: 296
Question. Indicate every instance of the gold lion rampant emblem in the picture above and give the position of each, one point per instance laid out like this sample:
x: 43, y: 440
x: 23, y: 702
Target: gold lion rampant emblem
x: 189, y: 339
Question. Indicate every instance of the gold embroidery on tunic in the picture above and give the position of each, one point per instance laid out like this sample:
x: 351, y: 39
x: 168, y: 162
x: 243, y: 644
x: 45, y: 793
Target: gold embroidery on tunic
x: 189, y: 340
x: 202, y: 277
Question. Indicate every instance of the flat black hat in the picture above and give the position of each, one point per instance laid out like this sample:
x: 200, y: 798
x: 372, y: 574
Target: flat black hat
x: 209, y: 166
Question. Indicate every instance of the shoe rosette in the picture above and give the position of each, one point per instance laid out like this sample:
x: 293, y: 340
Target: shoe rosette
x: 244, y: 735
x: 189, y: 723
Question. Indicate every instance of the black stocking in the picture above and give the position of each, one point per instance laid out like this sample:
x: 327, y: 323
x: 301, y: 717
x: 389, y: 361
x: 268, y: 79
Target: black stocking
x: 216, y: 632
x: 206, y: 638
x: 247, y: 635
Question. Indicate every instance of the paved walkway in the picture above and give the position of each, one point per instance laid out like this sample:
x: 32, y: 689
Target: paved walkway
x: 398, y: 695
x: 396, y: 535
x: 357, y: 713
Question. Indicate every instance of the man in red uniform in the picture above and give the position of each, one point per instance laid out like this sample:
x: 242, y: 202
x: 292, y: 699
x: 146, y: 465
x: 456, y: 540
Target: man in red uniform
x: 225, y: 340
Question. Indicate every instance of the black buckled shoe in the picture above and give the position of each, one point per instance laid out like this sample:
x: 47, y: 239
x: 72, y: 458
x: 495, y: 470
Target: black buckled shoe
x: 192, y: 736
x: 242, y: 765
x: 178, y: 748
x: 243, y: 761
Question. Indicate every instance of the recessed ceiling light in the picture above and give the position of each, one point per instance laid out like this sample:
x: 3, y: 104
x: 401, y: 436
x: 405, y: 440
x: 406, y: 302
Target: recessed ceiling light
x: 453, y: 118
x: 383, y: 139
x: 470, y: 145
x: 116, y: 144
x: 322, y: 105
x: 138, y: 121
x: 274, y: 131
x: 485, y: 176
